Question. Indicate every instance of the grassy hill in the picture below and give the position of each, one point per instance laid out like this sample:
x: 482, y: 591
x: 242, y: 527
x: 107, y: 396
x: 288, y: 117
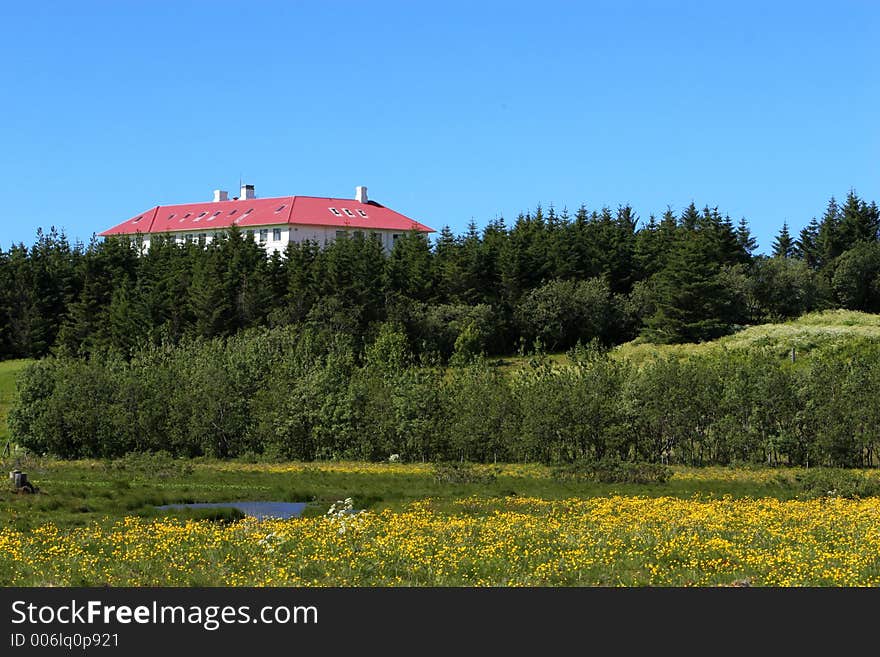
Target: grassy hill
x: 812, y: 331
x: 8, y: 371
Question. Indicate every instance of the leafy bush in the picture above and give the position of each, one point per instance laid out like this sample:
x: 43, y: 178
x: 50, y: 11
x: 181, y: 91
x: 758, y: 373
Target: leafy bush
x: 835, y: 482
x: 562, y: 312
x: 153, y: 464
x: 612, y: 471
x: 460, y: 472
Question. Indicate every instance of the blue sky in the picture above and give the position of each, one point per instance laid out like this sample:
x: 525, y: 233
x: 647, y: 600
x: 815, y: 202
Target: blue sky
x: 448, y: 112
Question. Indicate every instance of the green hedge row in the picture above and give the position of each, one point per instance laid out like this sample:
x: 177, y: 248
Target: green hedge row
x: 293, y: 394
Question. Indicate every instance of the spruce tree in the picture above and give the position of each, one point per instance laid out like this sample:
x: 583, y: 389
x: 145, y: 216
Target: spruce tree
x: 303, y: 274
x: 690, y: 217
x: 807, y: 246
x: 829, y: 241
x: 447, y: 268
x: 408, y: 268
x: 692, y: 302
x: 210, y: 296
x: 127, y: 319
x: 648, y: 249
x: 783, y: 245
x: 859, y: 222
x: 747, y: 242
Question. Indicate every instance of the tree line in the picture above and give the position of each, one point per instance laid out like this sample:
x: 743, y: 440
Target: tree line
x: 299, y: 393
x: 551, y: 279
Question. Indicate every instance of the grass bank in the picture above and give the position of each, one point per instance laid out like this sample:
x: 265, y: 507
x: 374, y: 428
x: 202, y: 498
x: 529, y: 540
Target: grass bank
x: 9, y: 370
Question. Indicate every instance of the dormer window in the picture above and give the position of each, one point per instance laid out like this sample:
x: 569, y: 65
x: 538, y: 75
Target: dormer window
x: 348, y: 212
x: 362, y: 213
x: 336, y: 212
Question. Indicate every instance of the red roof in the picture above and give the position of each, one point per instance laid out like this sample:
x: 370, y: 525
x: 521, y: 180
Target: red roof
x: 302, y: 210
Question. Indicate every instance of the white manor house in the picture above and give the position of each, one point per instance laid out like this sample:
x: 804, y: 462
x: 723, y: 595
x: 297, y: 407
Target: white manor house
x: 272, y: 222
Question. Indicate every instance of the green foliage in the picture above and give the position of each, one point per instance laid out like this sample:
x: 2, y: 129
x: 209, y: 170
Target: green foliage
x: 856, y: 280
x: 783, y: 288
x: 150, y: 464
x: 560, y: 313
x: 460, y: 472
x: 306, y: 395
x: 613, y: 471
x: 834, y: 482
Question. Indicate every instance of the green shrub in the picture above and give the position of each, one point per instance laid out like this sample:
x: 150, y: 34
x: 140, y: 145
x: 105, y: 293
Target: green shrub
x: 835, y: 482
x: 460, y: 472
x: 611, y: 471
x: 159, y: 464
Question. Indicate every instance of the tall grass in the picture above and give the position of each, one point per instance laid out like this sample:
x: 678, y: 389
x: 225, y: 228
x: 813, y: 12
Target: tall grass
x: 818, y: 330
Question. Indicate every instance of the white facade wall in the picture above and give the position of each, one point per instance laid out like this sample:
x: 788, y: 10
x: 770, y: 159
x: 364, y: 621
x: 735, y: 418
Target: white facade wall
x: 276, y: 238
x: 326, y: 234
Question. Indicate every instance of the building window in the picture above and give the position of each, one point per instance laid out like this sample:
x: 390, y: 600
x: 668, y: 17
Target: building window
x: 340, y: 233
x: 358, y: 235
x: 250, y: 234
x: 375, y: 236
x: 264, y: 235
x: 276, y: 234
x: 394, y: 238
x: 189, y: 238
x: 336, y: 212
x: 362, y: 213
x: 348, y: 212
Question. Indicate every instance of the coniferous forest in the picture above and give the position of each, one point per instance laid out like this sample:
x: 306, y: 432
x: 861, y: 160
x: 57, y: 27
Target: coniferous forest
x: 551, y: 277
x: 341, y: 350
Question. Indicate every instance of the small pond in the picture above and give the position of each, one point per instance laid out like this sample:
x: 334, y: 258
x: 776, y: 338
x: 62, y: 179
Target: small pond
x: 258, y: 510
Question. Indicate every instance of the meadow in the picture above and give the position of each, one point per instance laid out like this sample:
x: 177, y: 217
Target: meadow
x: 94, y: 522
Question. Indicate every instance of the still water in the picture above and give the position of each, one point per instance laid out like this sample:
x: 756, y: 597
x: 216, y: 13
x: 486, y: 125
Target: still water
x: 257, y: 510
